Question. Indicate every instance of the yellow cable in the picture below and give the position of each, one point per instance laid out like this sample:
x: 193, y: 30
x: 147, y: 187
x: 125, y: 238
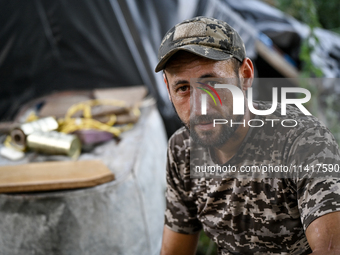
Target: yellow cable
x: 70, y: 124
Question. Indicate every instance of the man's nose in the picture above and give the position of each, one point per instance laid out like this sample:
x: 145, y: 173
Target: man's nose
x: 198, y: 102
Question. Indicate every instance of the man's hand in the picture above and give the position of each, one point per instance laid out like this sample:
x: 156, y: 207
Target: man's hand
x: 178, y: 244
x: 323, y: 234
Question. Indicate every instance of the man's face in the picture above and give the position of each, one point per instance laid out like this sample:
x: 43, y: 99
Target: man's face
x: 186, y: 99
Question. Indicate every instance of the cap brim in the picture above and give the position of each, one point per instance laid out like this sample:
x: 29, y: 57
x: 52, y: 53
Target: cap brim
x: 200, y: 50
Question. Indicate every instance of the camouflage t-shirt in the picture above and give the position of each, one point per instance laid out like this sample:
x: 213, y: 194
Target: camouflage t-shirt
x: 256, y: 215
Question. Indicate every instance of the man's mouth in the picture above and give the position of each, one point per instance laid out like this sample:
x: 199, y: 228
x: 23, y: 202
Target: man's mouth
x: 204, y: 126
x: 204, y: 122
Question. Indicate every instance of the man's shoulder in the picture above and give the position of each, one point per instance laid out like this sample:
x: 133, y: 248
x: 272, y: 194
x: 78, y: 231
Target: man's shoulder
x: 286, y: 138
x: 179, y: 147
x: 294, y: 120
x: 179, y: 138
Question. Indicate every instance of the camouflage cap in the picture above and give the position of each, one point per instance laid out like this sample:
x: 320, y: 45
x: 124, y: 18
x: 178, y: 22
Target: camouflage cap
x: 203, y: 36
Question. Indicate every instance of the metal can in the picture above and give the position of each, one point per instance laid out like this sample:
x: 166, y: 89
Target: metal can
x: 20, y: 133
x: 54, y: 143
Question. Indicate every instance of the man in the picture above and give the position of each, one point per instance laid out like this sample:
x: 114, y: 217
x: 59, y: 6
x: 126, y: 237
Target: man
x: 252, y: 215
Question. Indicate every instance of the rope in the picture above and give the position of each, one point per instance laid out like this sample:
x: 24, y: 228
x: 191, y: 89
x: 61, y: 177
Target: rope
x: 70, y: 124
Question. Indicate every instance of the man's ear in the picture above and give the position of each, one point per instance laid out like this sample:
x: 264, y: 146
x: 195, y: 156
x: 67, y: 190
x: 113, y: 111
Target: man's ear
x: 246, y: 73
x: 167, y: 85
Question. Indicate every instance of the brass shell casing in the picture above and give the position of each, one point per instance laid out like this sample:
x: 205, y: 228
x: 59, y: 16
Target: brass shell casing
x: 54, y: 143
x: 20, y: 133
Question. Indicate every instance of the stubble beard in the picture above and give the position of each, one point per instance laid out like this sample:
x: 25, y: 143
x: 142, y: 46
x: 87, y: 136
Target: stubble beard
x: 210, y: 138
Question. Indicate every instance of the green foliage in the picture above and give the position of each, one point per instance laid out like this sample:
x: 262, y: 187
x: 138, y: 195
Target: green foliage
x: 329, y: 14
x: 327, y: 11
x: 205, y: 245
x: 316, y: 13
x: 307, y: 47
x: 305, y: 10
x: 332, y: 116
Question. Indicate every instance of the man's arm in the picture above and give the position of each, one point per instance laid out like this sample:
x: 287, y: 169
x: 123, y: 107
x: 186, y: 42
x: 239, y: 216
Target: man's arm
x: 323, y: 234
x: 178, y: 244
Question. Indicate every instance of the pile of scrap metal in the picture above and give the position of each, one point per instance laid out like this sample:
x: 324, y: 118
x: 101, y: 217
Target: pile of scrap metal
x: 64, y: 123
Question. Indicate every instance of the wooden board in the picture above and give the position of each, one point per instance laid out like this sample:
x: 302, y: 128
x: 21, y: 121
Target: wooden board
x: 53, y: 176
x: 57, y: 104
x: 131, y: 95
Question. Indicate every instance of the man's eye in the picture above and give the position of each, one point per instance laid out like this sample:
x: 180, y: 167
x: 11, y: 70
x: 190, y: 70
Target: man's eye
x: 211, y: 83
x: 183, y: 89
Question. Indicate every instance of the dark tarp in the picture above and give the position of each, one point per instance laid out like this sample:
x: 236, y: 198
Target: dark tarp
x: 59, y: 45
